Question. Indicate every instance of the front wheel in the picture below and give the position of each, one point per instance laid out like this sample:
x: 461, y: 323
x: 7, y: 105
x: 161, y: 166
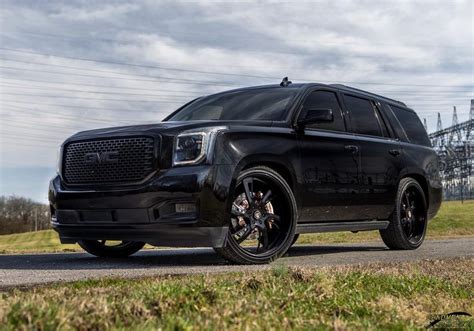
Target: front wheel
x: 409, y: 219
x: 263, y: 218
x: 104, y: 248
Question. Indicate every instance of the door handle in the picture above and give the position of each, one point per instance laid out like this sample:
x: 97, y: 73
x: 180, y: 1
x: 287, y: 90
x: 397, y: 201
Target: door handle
x: 351, y: 148
x: 394, y: 152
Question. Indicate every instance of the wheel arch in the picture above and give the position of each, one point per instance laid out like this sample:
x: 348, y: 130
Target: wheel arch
x: 274, y: 162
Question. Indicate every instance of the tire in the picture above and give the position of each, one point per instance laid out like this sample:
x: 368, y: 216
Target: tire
x: 270, y: 217
x: 295, y: 238
x: 99, y: 249
x: 409, y: 220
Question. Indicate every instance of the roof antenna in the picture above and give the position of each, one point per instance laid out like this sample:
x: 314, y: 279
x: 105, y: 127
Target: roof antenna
x: 285, y: 82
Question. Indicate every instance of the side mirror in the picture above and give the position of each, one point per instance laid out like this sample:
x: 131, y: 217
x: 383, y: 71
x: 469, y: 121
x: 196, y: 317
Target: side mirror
x: 316, y: 115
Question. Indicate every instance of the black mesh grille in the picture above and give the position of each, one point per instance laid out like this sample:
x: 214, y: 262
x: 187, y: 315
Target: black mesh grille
x: 118, y: 160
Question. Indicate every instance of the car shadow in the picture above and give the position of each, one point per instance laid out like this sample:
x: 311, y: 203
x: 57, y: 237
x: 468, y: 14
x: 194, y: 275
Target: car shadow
x: 159, y: 258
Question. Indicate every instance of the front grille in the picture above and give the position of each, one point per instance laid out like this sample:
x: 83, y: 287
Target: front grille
x: 117, y: 160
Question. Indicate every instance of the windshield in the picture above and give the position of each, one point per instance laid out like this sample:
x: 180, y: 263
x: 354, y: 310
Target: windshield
x: 258, y: 104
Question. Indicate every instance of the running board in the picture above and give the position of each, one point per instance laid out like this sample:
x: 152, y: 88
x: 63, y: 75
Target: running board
x: 341, y: 226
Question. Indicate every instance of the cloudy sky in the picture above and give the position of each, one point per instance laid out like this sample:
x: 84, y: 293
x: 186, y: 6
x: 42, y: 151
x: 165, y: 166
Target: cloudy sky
x: 67, y: 66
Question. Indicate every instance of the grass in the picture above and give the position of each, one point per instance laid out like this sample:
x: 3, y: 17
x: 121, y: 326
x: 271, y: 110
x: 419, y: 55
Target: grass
x: 41, y: 241
x: 378, y: 296
x: 453, y: 220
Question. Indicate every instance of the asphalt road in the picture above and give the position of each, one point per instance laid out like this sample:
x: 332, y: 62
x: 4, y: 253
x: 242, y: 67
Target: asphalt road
x: 31, y: 269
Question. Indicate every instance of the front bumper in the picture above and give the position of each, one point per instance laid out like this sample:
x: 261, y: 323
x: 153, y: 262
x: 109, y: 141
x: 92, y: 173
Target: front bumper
x: 148, y: 212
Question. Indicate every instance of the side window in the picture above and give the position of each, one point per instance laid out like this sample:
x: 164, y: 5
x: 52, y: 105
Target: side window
x: 363, y: 117
x: 326, y: 100
x: 394, y: 122
x: 412, y: 125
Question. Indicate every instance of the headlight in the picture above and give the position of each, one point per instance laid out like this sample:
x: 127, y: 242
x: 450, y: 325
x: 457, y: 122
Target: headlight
x: 193, y: 147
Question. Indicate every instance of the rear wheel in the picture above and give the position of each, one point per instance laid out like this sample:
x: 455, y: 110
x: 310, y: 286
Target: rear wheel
x: 104, y: 248
x: 263, y: 216
x: 409, y: 219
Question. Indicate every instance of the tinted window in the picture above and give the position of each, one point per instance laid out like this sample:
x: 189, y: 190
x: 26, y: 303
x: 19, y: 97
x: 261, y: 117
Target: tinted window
x: 394, y: 123
x: 324, y: 100
x: 363, y: 117
x: 258, y: 104
x: 412, y: 125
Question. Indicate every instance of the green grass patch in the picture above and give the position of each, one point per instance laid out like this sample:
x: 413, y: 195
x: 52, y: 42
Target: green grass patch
x: 390, y: 296
x: 453, y: 220
x: 41, y: 241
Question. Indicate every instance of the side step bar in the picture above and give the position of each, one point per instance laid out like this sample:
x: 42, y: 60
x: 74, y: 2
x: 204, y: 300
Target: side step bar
x: 341, y: 226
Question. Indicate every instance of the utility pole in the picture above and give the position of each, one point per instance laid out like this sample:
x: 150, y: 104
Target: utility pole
x: 36, y: 219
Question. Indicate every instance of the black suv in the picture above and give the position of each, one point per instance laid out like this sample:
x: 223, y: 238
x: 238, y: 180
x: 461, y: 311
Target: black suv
x: 246, y: 171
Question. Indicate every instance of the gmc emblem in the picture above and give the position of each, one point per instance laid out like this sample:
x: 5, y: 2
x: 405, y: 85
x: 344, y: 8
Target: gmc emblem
x: 101, y: 157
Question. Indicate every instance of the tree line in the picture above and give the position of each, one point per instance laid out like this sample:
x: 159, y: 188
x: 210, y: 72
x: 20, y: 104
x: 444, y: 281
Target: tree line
x: 18, y: 214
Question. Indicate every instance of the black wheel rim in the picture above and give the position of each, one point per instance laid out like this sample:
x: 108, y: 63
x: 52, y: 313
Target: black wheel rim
x: 259, y: 217
x: 413, y: 214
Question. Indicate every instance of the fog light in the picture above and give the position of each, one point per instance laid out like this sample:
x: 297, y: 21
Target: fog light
x: 185, y: 208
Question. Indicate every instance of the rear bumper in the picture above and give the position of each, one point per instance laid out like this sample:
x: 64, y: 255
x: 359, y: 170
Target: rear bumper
x: 184, y: 206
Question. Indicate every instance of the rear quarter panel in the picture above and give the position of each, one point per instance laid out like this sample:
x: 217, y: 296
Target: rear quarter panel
x: 422, y: 162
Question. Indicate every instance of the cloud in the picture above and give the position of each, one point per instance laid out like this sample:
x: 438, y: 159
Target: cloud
x: 45, y: 98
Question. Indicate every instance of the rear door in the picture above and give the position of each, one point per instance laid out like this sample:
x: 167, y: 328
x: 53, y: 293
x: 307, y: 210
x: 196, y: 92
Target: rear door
x: 380, y: 157
x: 329, y: 162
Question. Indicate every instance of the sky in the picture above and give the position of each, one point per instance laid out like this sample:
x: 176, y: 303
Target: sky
x: 67, y: 66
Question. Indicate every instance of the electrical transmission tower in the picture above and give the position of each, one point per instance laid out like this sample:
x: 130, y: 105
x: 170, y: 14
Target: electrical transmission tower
x: 455, y: 148
x: 439, y: 125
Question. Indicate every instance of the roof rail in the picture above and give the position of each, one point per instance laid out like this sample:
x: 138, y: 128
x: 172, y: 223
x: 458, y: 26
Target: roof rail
x: 349, y: 88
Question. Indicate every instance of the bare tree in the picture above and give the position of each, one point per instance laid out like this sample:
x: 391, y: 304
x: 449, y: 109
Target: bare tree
x: 18, y: 214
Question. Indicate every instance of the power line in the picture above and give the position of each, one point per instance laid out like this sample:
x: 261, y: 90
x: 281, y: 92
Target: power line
x: 39, y: 126
x: 120, y: 78
x: 28, y: 137
x: 109, y: 71
x: 96, y: 92
x: 431, y: 99
x: 158, y: 89
x: 19, y: 119
x: 20, y: 130
x: 85, y: 107
x: 397, y: 93
x: 221, y: 73
x: 84, y: 98
x: 18, y: 144
x: 65, y: 116
x: 72, y: 106
x: 140, y: 66
x: 135, y: 64
x: 25, y: 119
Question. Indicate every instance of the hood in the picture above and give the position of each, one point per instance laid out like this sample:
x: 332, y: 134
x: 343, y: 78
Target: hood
x: 167, y: 128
